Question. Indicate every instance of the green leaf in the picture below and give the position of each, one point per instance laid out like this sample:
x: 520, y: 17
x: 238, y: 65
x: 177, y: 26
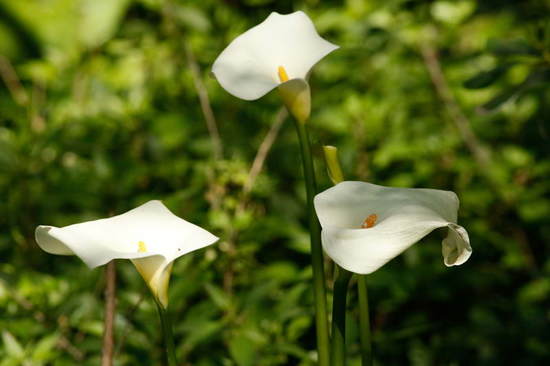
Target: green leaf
x: 12, y: 346
x: 101, y: 19
x: 45, y: 348
x: 220, y: 298
x: 298, y: 327
x: 536, y: 78
x: 537, y: 290
x: 486, y: 78
x: 243, y: 350
x: 500, y: 99
x: 510, y: 47
x: 202, y: 334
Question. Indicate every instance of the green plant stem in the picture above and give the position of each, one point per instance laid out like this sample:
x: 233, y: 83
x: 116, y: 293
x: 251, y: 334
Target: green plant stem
x: 364, y: 321
x: 319, y: 291
x: 167, y: 335
x: 338, y: 354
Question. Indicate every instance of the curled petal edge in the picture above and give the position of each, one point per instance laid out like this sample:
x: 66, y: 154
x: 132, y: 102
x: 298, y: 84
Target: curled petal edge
x: 456, y: 247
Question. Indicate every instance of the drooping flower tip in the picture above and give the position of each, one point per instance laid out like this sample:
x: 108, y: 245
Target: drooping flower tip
x: 456, y: 246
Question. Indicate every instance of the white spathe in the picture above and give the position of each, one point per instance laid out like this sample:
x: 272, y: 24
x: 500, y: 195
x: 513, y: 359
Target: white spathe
x: 404, y: 216
x: 149, y: 235
x: 249, y: 67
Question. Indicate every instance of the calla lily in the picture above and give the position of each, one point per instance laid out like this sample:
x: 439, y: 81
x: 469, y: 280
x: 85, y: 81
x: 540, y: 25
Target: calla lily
x: 279, y: 52
x: 150, y: 236
x: 365, y: 225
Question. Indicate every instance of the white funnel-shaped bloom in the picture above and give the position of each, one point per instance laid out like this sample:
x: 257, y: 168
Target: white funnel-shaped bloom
x: 150, y: 236
x: 365, y: 225
x: 279, y: 51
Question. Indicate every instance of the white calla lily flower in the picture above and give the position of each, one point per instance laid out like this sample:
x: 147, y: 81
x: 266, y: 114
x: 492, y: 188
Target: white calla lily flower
x: 365, y: 225
x: 279, y: 52
x: 150, y: 236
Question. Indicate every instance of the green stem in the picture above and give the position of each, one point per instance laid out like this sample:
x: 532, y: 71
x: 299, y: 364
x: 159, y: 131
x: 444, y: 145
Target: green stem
x: 167, y: 335
x: 364, y: 321
x: 319, y: 291
x: 338, y: 354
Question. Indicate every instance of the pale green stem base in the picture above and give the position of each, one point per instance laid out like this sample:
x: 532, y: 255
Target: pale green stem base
x: 167, y: 335
x: 364, y: 321
x: 321, y: 318
x: 338, y: 354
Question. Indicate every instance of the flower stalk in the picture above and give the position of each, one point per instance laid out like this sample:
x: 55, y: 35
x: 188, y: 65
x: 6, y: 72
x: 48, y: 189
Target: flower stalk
x: 338, y: 354
x: 109, y: 321
x: 319, y: 291
x: 167, y: 335
x: 364, y: 321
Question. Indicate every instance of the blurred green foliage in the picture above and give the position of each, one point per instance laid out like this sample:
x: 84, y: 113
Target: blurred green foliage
x: 99, y: 112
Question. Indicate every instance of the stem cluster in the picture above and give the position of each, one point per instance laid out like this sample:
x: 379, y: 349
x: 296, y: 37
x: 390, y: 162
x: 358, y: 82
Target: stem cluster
x: 337, y: 344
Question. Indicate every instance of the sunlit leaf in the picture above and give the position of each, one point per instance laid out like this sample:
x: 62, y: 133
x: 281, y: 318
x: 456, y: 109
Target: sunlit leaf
x: 12, y: 346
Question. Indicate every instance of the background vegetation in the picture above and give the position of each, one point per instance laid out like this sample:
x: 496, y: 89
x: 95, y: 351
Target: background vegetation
x: 104, y: 104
